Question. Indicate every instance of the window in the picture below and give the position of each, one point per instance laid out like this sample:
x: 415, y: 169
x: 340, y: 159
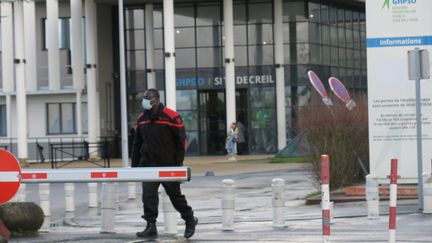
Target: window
x: 63, y: 30
x: 3, y: 120
x: 61, y: 118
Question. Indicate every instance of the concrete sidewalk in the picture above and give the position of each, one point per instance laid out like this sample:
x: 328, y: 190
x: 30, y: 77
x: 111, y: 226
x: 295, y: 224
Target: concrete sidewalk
x: 253, y: 215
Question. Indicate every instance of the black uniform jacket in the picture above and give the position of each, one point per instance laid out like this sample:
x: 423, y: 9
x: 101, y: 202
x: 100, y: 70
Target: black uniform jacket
x: 159, y: 139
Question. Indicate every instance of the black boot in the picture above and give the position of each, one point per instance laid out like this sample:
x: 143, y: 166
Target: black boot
x: 149, y: 232
x: 190, y: 227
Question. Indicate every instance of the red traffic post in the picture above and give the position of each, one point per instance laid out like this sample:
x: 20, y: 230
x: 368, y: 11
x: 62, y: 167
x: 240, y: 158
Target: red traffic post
x: 325, y: 197
x: 392, y: 202
x: 10, y: 178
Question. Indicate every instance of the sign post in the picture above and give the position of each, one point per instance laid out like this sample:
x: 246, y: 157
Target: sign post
x: 418, y: 68
x: 10, y: 178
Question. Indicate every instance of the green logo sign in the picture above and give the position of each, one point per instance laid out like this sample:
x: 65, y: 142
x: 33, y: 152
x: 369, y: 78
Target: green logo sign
x: 386, y: 4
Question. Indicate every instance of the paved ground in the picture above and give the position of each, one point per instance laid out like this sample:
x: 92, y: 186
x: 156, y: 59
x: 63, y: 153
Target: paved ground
x: 253, y: 216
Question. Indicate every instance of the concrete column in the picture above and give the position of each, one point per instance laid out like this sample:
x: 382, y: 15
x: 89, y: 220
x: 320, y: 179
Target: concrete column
x: 77, y: 57
x: 7, y: 62
x: 20, y: 79
x: 123, y: 91
x: 30, y: 44
x: 52, y: 40
x: 169, y: 41
x: 280, y: 74
x: 91, y: 47
x: 7, y: 44
x: 151, y: 74
x: 229, y: 62
x: 8, y: 74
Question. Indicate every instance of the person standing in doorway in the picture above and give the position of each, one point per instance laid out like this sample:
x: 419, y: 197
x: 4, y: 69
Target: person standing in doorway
x: 231, y: 141
x: 160, y: 141
x: 241, y: 138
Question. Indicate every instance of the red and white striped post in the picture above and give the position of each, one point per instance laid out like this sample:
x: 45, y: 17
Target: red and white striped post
x: 325, y: 197
x: 393, y: 199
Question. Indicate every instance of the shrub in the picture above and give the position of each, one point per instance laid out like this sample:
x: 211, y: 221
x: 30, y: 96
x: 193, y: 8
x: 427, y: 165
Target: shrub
x: 340, y: 133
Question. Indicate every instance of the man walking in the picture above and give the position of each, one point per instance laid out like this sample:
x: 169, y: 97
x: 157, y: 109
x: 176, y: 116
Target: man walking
x: 160, y: 141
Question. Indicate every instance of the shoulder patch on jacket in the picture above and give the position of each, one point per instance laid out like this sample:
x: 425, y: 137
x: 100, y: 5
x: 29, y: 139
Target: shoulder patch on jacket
x: 171, y: 113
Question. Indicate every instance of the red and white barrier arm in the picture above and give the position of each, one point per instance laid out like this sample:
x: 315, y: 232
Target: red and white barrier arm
x: 325, y: 197
x: 138, y: 174
x: 392, y: 202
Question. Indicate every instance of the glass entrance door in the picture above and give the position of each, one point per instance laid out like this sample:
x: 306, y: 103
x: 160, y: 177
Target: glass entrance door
x: 212, y: 121
x: 242, y: 121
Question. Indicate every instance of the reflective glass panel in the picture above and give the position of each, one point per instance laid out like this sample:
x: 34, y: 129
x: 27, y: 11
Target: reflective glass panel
x: 68, y: 118
x: 261, y: 55
x: 239, y: 12
x: 294, y: 11
x: 184, y: 37
x: 208, y: 15
x: 302, y: 32
x: 260, y: 34
x: 135, y: 39
x: 240, y: 55
x: 53, y: 118
x: 302, y: 53
x: 314, y: 12
x: 136, y: 60
x: 209, y: 57
x: 260, y: 12
x: 185, y: 58
x: 184, y: 16
x: 186, y: 100
x: 209, y: 36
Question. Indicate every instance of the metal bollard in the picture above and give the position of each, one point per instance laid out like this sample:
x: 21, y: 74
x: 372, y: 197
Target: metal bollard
x: 69, y: 194
x: 331, y: 212
x: 131, y: 190
x: 93, y: 195
x: 170, y: 214
x: 372, y: 196
x: 278, y: 202
x: 108, y: 207
x: 427, y: 193
x: 44, y: 195
x: 228, y: 204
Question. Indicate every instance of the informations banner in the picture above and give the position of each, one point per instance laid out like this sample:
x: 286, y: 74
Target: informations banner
x: 393, y: 28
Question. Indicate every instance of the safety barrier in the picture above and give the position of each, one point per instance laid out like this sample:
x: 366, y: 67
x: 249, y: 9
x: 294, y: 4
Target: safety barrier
x: 107, y: 175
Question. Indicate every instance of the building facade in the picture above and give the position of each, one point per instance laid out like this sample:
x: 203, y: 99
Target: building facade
x: 274, y: 43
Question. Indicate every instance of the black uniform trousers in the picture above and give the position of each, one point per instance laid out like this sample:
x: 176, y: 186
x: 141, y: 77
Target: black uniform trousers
x: 150, y: 199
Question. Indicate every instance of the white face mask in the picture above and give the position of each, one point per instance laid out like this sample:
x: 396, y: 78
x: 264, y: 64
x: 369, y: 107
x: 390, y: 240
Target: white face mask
x: 146, y: 104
